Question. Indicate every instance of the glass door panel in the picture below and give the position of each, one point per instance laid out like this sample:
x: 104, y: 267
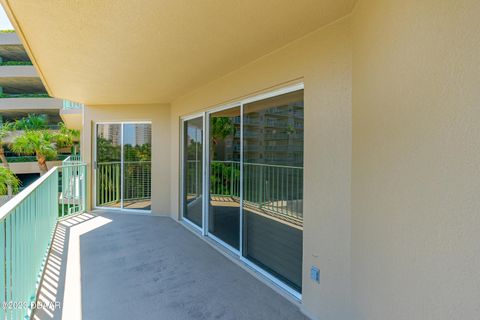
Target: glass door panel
x: 108, y: 165
x: 224, y: 174
x: 193, y: 170
x: 137, y: 173
x: 273, y: 186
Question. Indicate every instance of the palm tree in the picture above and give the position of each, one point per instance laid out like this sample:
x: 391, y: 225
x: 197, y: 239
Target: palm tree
x: 5, y: 130
x: 65, y: 136
x: 221, y: 127
x: 32, y: 122
x: 8, y: 181
x: 40, y: 143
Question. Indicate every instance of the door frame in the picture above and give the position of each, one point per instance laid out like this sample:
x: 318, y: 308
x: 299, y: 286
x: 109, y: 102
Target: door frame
x: 94, y: 168
x: 206, y: 179
x: 182, y: 171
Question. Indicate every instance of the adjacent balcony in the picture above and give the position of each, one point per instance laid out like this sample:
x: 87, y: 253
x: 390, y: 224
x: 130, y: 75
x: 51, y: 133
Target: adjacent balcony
x: 71, y: 113
x: 31, y: 103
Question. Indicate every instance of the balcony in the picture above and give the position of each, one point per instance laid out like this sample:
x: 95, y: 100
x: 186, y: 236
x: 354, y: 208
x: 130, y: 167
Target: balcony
x: 27, y: 224
x: 71, y: 113
x: 31, y: 103
x: 18, y: 71
x: 153, y: 265
x: 106, y: 265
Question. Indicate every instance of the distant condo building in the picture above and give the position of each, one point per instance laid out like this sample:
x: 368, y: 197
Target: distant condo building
x: 22, y: 93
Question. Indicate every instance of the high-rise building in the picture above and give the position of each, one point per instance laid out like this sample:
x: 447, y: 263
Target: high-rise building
x: 22, y: 93
x: 143, y: 134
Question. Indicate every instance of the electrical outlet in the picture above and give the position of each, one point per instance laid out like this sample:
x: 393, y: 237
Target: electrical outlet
x: 315, y: 274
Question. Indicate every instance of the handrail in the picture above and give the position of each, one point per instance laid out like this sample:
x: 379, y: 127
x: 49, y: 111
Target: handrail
x: 72, y: 188
x: 117, y: 162
x: 8, y: 207
x: 72, y: 158
x: 27, y: 223
x: 251, y: 163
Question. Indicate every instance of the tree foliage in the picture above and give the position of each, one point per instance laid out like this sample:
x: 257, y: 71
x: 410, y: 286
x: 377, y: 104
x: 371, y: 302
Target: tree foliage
x: 65, y: 136
x: 32, y: 122
x: 220, y: 128
x: 41, y: 143
x: 8, y: 179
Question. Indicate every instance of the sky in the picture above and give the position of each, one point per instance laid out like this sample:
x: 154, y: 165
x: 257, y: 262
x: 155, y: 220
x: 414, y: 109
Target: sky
x: 4, y: 22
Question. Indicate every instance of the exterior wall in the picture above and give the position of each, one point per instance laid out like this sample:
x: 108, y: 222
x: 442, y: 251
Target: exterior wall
x: 159, y: 116
x: 30, y: 104
x: 391, y: 217
x: 416, y: 177
x: 322, y: 60
x: 9, y: 39
x: 30, y: 167
x: 73, y: 118
x: 18, y: 72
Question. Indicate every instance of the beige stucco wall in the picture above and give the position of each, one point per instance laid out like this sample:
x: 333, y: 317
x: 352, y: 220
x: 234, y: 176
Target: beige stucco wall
x: 322, y: 61
x: 391, y: 216
x: 416, y: 155
x: 159, y: 116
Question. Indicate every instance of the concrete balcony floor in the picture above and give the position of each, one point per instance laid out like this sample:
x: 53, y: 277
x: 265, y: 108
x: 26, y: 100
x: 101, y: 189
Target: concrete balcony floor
x: 109, y: 265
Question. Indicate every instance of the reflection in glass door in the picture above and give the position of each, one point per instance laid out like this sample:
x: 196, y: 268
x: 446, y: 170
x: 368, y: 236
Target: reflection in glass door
x: 108, y: 165
x: 252, y: 179
x: 193, y: 170
x: 123, y: 165
x: 137, y: 173
x: 273, y: 186
x: 224, y: 174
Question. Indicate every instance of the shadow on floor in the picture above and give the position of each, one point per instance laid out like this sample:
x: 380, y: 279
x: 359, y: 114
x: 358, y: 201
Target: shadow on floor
x: 145, y: 267
x: 52, y: 287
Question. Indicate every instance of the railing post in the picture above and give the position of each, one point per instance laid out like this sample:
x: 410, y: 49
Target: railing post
x: 84, y: 188
x: 231, y: 178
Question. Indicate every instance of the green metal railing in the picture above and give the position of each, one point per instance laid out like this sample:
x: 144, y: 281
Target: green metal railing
x: 72, y: 190
x: 137, y: 181
x: 72, y: 158
x: 275, y: 189
x: 193, y: 185
x: 70, y: 105
x: 108, y: 183
x: 225, y: 179
x: 27, y: 223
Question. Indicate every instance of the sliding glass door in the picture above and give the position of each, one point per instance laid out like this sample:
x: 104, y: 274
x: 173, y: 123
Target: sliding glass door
x: 123, y: 165
x: 224, y: 176
x: 243, y: 181
x: 137, y: 172
x: 108, y: 166
x: 273, y: 186
x: 192, y: 195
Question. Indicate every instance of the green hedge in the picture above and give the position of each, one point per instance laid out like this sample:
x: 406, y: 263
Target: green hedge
x: 24, y: 95
x: 16, y: 63
x: 17, y: 159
